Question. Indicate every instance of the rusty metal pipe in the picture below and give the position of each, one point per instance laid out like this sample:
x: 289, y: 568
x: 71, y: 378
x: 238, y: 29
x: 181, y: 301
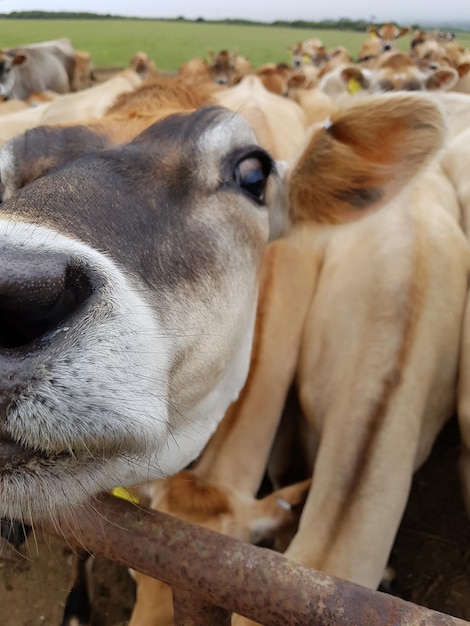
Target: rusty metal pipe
x: 192, y: 611
x: 229, y: 574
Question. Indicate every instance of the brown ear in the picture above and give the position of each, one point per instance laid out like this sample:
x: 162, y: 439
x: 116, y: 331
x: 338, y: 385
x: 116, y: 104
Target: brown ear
x: 356, y: 73
x: 362, y: 158
x: 296, y: 80
x: 402, y: 32
x: 463, y: 69
x: 39, y: 150
x: 279, y: 510
x: 442, y: 79
x: 20, y: 59
x: 189, y: 495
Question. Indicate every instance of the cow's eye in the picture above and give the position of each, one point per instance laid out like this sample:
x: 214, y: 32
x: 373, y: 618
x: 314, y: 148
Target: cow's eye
x: 251, y: 175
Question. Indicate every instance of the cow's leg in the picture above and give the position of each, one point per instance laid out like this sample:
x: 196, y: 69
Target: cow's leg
x: 464, y: 409
x: 455, y: 165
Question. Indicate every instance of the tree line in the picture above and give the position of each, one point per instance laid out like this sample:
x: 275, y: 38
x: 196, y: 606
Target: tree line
x: 340, y: 24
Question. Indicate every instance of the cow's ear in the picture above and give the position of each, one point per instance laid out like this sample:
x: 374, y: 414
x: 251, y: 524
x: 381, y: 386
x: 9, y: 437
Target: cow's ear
x: 442, y: 79
x: 40, y: 150
x: 402, y: 32
x: 355, y: 77
x: 463, y: 69
x: 20, y: 59
x: 269, y: 517
x: 363, y: 157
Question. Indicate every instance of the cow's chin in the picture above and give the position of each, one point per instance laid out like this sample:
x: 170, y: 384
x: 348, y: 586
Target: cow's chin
x: 36, y: 485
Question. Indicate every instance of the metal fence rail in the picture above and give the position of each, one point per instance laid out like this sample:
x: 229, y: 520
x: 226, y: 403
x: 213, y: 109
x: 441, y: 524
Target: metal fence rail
x: 213, y: 575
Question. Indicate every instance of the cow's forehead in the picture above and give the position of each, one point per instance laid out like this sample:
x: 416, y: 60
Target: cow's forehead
x: 233, y: 125
x: 156, y: 203
x: 210, y: 130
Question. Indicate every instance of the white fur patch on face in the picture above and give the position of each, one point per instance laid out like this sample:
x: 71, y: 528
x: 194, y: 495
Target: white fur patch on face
x: 234, y: 127
x: 230, y: 132
x: 101, y: 401
x: 6, y: 173
x: 6, y: 87
x: 95, y: 398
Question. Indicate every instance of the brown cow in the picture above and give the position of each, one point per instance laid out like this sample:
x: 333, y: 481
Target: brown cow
x: 83, y: 72
x: 308, y: 51
x: 101, y: 319
x: 228, y: 68
x: 380, y: 40
x: 393, y: 71
x: 143, y: 65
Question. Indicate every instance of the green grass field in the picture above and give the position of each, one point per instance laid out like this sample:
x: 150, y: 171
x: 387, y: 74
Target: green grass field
x: 113, y: 42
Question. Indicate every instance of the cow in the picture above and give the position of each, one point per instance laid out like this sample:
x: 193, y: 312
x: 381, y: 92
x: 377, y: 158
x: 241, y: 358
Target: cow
x: 380, y: 40
x: 310, y: 51
x: 224, y: 68
x: 438, y: 50
x: 143, y: 65
x: 228, y: 68
x: 396, y: 70
x: 455, y: 165
x: 83, y: 72
x: 195, y: 71
x: 432, y: 53
x: 393, y: 71
x: 275, y: 77
x: 37, y: 67
x: 105, y: 280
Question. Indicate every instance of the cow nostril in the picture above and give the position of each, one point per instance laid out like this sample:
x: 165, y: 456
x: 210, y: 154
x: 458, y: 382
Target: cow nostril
x: 36, y: 299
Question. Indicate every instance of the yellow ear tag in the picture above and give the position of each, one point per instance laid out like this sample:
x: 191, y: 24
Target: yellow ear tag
x: 354, y: 86
x: 306, y: 58
x: 373, y: 35
x: 121, y: 492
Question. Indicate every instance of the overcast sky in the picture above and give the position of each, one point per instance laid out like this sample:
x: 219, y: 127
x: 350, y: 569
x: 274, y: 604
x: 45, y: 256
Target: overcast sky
x: 402, y: 11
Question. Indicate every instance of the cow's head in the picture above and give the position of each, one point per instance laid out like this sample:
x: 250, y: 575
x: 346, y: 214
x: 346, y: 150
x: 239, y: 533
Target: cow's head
x: 128, y: 281
x: 9, y: 61
x: 387, y: 34
x: 222, y: 66
x: 136, y: 265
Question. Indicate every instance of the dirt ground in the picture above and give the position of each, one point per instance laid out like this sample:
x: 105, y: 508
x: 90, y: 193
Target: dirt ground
x: 431, y: 558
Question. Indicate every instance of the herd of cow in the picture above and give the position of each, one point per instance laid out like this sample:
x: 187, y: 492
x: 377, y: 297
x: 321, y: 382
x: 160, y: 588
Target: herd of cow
x: 229, y: 274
